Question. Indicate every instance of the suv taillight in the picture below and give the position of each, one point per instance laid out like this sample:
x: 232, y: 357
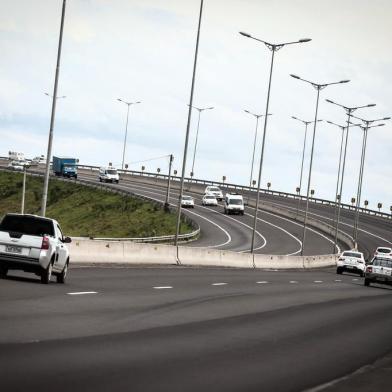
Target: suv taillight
x: 45, y: 243
x: 341, y: 258
x: 369, y: 269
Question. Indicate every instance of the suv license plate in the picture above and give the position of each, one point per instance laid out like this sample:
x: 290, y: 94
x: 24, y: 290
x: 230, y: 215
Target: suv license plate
x: 13, y: 249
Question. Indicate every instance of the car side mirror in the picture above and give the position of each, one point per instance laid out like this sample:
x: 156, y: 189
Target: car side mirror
x: 67, y: 240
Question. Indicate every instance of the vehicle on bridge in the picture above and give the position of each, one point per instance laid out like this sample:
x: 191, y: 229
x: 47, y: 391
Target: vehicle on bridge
x: 209, y: 200
x: 108, y: 174
x: 383, y: 251
x: 233, y: 204
x: 187, y: 202
x: 351, y: 261
x: 33, y: 244
x: 16, y: 156
x: 379, y: 271
x: 214, y: 190
x: 65, y: 167
x: 17, y: 165
x: 39, y: 160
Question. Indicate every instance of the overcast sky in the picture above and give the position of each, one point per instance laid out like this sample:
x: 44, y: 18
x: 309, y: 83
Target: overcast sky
x: 143, y: 50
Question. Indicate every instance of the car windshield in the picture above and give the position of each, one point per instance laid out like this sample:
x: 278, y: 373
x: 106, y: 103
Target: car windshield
x: 214, y: 189
x: 186, y: 198
x: 210, y: 197
x: 352, y: 254
x: 383, y: 250
x: 237, y: 202
x: 111, y: 171
x: 29, y: 225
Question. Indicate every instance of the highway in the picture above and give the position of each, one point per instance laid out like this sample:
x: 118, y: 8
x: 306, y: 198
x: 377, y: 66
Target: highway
x: 158, y: 328
x: 188, y: 329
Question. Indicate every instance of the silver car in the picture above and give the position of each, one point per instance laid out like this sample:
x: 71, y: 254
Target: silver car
x: 379, y: 271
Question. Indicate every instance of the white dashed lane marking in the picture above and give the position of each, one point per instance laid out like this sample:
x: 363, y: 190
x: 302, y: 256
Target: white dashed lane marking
x: 262, y: 282
x: 218, y: 284
x: 293, y: 281
x: 318, y: 281
x: 162, y: 287
x: 82, y: 292
x: 338, y: 280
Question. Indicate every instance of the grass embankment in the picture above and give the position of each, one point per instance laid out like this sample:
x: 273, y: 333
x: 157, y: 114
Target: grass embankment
x: 87, y: 212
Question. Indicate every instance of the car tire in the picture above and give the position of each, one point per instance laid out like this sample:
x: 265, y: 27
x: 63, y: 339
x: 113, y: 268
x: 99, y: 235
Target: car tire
x: 63, y: 275
x: 47, y: 273
x: 116, y: 181
x: 100, y: 179
x: 339, y: 270
x: 366, y: 282
x: 3, y: 272
x: 361, y: 274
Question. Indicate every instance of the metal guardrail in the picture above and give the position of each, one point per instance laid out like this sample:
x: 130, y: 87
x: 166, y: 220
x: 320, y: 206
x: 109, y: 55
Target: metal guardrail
x: 245, y: 188
x: 167, y: 238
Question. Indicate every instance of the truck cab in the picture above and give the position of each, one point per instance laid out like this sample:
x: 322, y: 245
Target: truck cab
x: 65, y: 167
x: 233, y: 204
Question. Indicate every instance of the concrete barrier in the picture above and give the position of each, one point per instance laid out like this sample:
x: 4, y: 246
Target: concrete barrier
x: 84, y: 251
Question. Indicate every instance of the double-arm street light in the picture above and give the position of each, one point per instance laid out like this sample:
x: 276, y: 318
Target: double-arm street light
x: 349, y: 111
x: 257, y: 116
x: 365, y: 127
x: 54, y: 99
x: 273, y: 48
x: 303, y: 154
x: 197, y: 135
x: 318, y: 87
x: 126, y: 127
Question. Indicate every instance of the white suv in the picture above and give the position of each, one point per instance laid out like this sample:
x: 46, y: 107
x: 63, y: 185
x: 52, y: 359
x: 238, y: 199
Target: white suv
x: 351, y: 261
x: 379, y: 271
x: 383, y: 251
x: 33, y: 244
x: 214, y: 190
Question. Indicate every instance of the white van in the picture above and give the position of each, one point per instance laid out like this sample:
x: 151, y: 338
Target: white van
x: 108, y: 174
x: 233, y: 204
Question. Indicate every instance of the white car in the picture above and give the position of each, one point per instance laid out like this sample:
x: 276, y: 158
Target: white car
x: 379, y: 271
x: 383, y: 251
x: 41, y: 159
x: 17, y: 165
x: 233, y: 204
x: 351, y: 261
x: 108, y: 174
x: 214, y: 190
x: 35, y: 244
x: 187, y: 202
x: 209, y: 200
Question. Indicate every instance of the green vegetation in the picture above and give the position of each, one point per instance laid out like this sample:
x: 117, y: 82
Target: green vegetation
x: 87, y: 212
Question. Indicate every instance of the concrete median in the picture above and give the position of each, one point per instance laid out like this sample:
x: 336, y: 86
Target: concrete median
x: 85, y: 251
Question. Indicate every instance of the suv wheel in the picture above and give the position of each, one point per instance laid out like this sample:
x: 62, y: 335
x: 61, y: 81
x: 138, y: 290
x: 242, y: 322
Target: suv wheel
x: 3, y: 272
x: 47, y: 274
x: 63, y: 275
x: 366, y: 282
x: 339, y: 270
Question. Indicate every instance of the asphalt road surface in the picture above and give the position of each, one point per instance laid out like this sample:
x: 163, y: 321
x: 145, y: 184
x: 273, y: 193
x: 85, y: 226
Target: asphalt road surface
x: 189, y: 329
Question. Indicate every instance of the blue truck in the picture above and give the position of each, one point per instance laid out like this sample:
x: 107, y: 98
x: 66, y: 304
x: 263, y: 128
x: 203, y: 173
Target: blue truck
x: 65, y: 167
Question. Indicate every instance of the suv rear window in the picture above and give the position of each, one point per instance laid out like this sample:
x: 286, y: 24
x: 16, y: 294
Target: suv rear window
x: 29, y: 225
x: 383, y: 250
x: 352, y: 254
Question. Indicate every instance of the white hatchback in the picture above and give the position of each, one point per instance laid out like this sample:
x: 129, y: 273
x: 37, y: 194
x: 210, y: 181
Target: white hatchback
x: 351, y: 261
x: 209, y: 200
x: 383, y: 251
x: 187, y: 202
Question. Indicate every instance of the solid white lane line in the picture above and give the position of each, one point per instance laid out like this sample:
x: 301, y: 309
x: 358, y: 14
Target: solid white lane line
x: 215, y: 211
x: 82, y: 292
x: 318, y: 281
x: 218, y: 284
x: 162, y: 287
x: 191, y: 212
x: 262, y: 282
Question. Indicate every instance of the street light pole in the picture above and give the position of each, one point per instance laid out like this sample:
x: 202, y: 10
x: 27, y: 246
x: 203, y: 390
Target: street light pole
x: 303, y: 156
x: 23, y: 190
x: 126, y: 128
x: 187, y: 132
x: 273, y: 48
x: 54, y: 99
x: 365, y: 128
x: 318, y: 87
x: 349, y: 111
x: 197, y: 135
x: 254, y: 143
x: 171, y: 158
